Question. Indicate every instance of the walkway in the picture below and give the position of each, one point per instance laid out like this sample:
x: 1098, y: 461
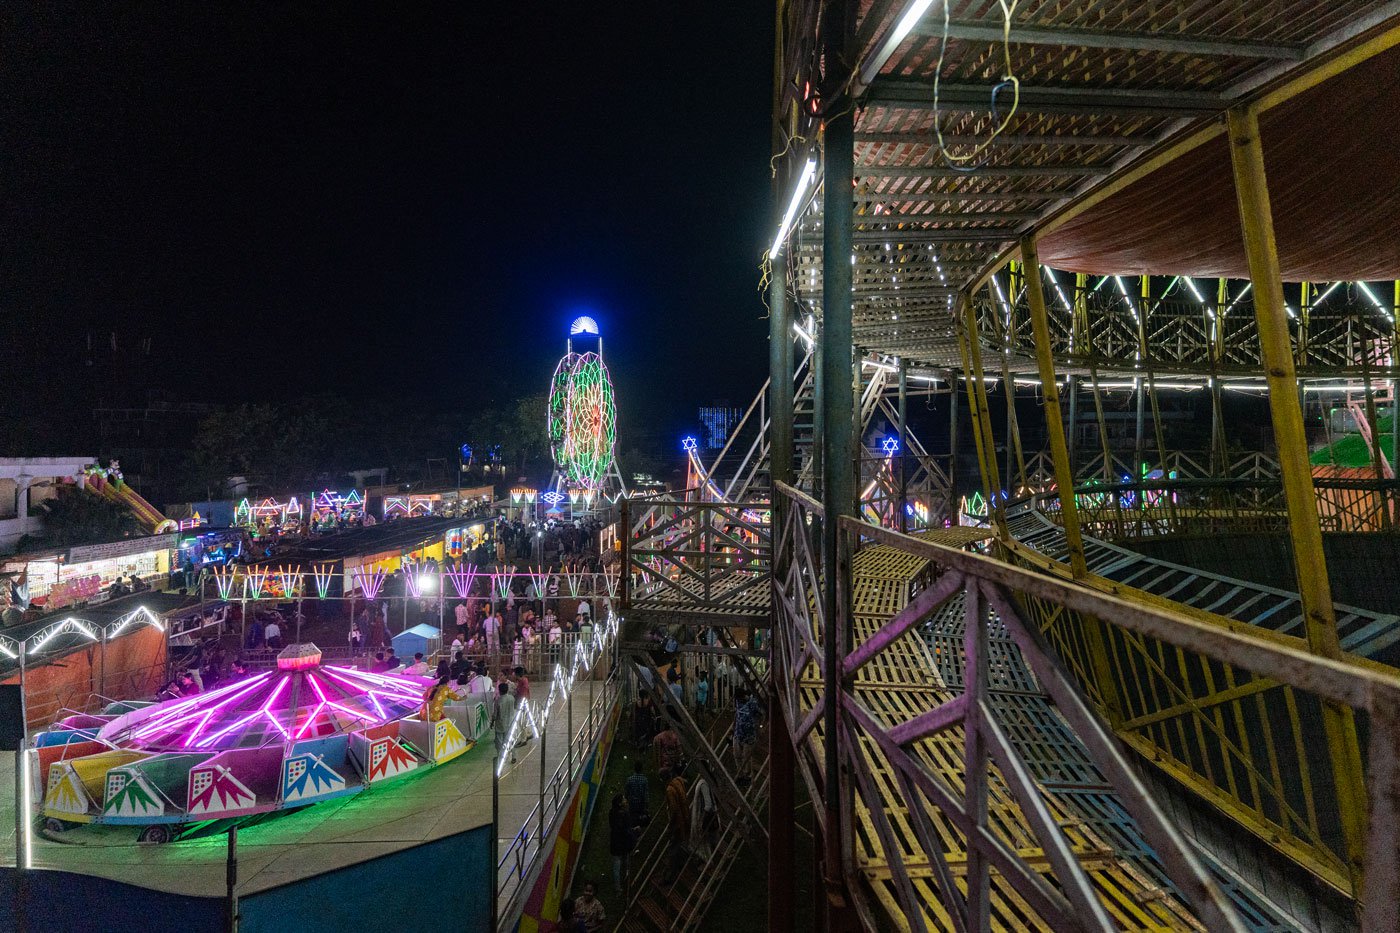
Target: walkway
x: 924, y: 669
x: 1364, y: 632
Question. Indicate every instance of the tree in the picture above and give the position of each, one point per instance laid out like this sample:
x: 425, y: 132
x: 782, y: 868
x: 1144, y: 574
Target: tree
x: 76, y: 516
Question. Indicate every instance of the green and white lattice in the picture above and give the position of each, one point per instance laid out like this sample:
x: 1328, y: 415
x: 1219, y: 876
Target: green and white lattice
x: 582, y: 419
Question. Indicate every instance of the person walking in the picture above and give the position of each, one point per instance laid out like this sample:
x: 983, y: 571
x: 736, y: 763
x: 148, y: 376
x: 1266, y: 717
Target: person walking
x: 637, y: 790
x: 501, y: 718
x: 622, y: 839
x: 492, y: 627
x: 704, y: 818
x: 677, y: 824
x: 668, y: 750
x: 746, y: 713
x: 702, y: 698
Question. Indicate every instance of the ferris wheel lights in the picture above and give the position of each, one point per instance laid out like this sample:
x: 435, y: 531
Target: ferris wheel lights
x: 809, y: 171
x: 583, y: 325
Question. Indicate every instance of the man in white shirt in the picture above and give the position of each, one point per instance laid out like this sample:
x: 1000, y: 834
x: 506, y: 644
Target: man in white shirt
x: 481, y: 685
x: 273, y: 633
x: 501, y: 719
x: 492, y: 625
x: 419, y: 667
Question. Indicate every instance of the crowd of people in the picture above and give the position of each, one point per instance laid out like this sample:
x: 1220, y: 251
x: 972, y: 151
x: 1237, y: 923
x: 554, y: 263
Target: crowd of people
x: 688, y: 804
x: 553, y: 543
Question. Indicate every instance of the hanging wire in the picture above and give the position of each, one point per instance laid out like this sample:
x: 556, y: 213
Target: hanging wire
x: 1008, y: 79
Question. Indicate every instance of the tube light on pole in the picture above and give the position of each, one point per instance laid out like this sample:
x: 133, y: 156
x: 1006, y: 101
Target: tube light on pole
x: 912, y: 14
x: 809, y: 171
x: 1365, y: 289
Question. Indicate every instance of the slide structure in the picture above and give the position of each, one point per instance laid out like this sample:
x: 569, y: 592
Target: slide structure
x: 109, y: 485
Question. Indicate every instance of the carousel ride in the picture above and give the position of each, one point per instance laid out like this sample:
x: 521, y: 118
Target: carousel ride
x: 301, y: 733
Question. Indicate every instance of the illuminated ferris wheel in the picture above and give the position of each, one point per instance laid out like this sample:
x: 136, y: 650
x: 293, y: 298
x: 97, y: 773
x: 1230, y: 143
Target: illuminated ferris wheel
x: 582, y: 413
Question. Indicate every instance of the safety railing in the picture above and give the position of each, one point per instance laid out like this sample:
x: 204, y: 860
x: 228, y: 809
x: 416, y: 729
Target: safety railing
x: 516, y: 865
x: 1148, y: 671
x: 1157, y: 507
x: 927, y: 490
x: 706, y: 556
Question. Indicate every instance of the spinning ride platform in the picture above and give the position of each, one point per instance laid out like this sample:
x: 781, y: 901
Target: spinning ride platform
x: 301, y: 734
x: 278, y: 848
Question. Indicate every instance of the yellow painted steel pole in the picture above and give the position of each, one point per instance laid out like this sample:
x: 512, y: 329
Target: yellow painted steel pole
x: 1305, y: 534
x: 1013, y: 425
x: 1050, y: 393
x: 982, y: 419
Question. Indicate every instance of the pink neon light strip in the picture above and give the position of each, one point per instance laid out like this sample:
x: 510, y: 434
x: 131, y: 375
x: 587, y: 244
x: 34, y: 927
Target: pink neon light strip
x: 273, y: 719
x: 404, y: 691
x: 267, y: 708
x: 315, y: 685
x: 180, y: 714
x: 199, y: 728
x: 310, y: 719
x: 247, y: 719
x: 381, y: 680
x: 223, y: 732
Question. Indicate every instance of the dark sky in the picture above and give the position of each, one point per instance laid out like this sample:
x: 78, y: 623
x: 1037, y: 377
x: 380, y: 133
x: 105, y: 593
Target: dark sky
x: 400, y: 199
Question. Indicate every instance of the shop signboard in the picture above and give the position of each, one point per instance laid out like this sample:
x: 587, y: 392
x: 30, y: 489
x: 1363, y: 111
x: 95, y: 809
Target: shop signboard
x: 88, y: 553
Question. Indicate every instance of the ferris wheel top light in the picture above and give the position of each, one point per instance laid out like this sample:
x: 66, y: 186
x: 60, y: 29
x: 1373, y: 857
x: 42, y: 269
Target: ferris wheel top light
x: 689, y: 443
x: 583, y: 325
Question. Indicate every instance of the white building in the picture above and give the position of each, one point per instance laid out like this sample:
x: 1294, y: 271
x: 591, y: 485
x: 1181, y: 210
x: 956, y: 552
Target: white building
x: 26, y: 482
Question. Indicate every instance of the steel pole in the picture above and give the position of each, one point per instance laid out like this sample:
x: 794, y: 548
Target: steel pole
x: 1050, y: 392
x: 780, y: 389
x: 902, y: 518
x: 781, y: 816
x: 544, y: 765
x: 1310, y: 562
x: 231, y: 879
x: 496, y: 841
x: 836, y: 441
x: 1072, y: 429
x: 953, y: 499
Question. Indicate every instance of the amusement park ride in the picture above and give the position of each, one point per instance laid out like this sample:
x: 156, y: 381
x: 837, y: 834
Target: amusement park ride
x: 1038, y: 721
x: 301, y: 733
x: 582, y: 413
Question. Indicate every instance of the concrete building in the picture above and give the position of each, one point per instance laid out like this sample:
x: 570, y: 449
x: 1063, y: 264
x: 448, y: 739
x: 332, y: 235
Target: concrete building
x: 26, y: 482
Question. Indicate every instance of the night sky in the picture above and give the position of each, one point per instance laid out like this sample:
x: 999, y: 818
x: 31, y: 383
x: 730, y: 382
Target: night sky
x: 407, y: 200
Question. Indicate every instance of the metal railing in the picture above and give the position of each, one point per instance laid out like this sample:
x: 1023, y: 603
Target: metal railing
x: 1148, y: 670
x: 1158, y: 507
x: 516, y: 866
x: 709, y: 556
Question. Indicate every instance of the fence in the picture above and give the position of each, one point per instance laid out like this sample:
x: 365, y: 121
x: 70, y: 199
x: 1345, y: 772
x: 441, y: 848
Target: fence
x: 1219, y: 506
x: 707, y: 557
x: 1234, y: 714
x: 515, y: 868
